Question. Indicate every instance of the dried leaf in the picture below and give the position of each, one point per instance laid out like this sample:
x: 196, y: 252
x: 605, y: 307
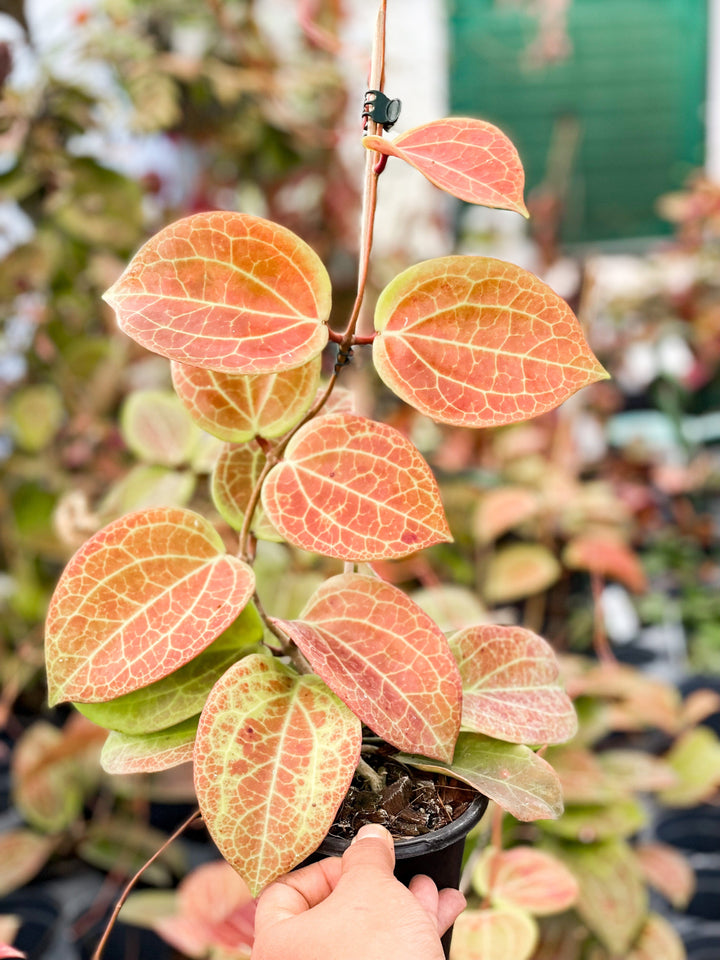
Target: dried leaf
x: 518, y: 571
x: 238, y: 408
x: 510, y: 685
x: 386, y: 659
x: 228, y: 292
x: 355, y: 489
x: 518, y: 780
x: 141, y: 598
x: 471, y: 159
x: 274, y: 756
x: 478, y: 342
x: 526, y: 878
x: 494, y: 934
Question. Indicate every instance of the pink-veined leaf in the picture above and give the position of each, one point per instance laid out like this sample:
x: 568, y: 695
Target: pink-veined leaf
x: 658, y: 940
x: 181, y: 694
x: 149, y: 752
x: 613, y: 898
x: 23, y: 853
x: 469, y: 158
x: 234, y: 476
x: 583, y: 779
x: 274, y: 756
x: 510, y: 685
x: 606, y: 555
x: 237, y: 408
x: 668, y: 870
x: 478, y: 342
x: 226, y: 291
x: 527, y: 878
x: 355, y: 489
x: 386, y: 659
x: 140, y: 599
x: 496, y: 933
x: 519, y: 570
x: 518, y: 780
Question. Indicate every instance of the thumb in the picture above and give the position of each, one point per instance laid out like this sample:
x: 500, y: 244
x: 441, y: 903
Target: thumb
x: 371, y: 851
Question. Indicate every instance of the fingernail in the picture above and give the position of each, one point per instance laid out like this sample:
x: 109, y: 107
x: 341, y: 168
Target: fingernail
x: 376, y: 831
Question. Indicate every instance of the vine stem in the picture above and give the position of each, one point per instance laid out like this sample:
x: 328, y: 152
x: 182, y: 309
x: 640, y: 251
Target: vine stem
x: 600, y: 638
x: 347, y: 339
x: 128, y: 889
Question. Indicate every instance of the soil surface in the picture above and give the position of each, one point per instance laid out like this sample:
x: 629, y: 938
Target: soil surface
x: 412, y: 802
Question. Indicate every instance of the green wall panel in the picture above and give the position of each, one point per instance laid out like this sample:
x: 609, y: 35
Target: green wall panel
x: 633, y: 88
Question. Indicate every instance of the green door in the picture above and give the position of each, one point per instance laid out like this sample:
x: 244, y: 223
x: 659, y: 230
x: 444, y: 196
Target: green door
x: 624, y: 112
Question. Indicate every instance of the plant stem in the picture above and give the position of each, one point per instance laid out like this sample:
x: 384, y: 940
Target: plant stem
x: 367, y: 773
x: 601, y: 644
x: 128, y: 889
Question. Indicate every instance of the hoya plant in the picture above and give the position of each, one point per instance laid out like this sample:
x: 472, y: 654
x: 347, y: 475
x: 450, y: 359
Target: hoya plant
x: 155, y: 629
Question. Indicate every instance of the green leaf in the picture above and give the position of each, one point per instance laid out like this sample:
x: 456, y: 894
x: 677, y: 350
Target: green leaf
x: 146, y: 486
x: 518, y: 571
x: 119, y: 844
x: 274, y: 756
x: 593, y: 822
x: 497, y: 933
x: 149, y: 752
x: 36, y: 414
x: 181, y: 694
x: 695, y: 759
x: 157, y: 428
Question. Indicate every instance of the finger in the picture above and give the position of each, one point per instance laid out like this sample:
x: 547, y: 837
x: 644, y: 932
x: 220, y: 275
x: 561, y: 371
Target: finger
x: 298, y: 891
x: 426, y: 893
x: 372, y: 850
x: 451, y: 904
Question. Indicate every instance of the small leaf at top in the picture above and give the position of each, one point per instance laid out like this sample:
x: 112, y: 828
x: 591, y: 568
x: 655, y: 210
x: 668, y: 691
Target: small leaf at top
x: 386, y: 659
x: 478, y: 342
x: 137, y: 601
x: 527, y: 878
x: 274, y: 756
x: 469, y: 158
x: 181, y: 694
x: 355, y: 489
x: 226, y: 291
x: 237, y: 408
x: 149, y: 752
x: 518, y: 780
x: 496, y: 933
x: 510, y: 685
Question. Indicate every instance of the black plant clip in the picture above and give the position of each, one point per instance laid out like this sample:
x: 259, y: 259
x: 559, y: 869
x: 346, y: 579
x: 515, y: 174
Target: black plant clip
x: 380, y: 109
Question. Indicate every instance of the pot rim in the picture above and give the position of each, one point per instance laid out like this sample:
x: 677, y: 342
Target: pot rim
x: 427, y: 843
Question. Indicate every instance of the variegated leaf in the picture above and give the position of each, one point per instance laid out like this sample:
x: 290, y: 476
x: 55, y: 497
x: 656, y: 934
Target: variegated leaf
x: 667, y: 870
x: 527, y: 878
x: 274, y: 756
x: 386, y: 659
x: 478, y: 342
x: 140, y: 599
x: 149, y: 752
x: 236, y: 472
x: 226, y: 291
x: 497, y: 933
x: 355, y: 489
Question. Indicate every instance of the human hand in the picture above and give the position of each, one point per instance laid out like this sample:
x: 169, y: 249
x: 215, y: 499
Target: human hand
x: 353, y: 908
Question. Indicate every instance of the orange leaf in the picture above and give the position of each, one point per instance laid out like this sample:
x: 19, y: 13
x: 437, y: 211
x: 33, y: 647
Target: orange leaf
x: 234, y: 476
x: 510, y: 685
x: 668, y: 871
x: 137, y: 601
x: 478, y: 342
x: 274, y: 756
x: 355, y: 489
x: 386, y: 659
x: 503, y: 509
x: 469, y: 158
x: 226, y: 291
x: 526, y: 878
x: 607, y: 556
x: 237, y: 408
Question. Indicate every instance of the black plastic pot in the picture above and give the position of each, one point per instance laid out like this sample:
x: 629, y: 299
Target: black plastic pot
x: 438, y: 855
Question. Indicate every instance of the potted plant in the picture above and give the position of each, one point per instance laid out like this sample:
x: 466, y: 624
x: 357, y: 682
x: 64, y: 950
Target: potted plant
x: 155, y: 629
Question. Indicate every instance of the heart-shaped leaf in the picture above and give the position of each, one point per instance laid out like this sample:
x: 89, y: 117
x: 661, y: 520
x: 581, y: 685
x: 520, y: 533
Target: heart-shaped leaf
x: 503, y: 509
x: 518, y: 571
x: 510, y: 685
x: 386, y: 659
x: 157, y: 428
x: 274, y: 757
x: 478, y: 342
x: 471, y: 159
x: 149, y: 752
x: 226, y: 291
x: 667, y: 870
x: 355, y: 489
x: 658, y: 938
x: 236, y: 472
x: 527, y: 878
x: 237, y: 408
x: 23, y: 853
x: 181, y: 694
x: 613, y: 898
x: 518, y: 780
x: 141, y: 598
x: 497, y: 933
